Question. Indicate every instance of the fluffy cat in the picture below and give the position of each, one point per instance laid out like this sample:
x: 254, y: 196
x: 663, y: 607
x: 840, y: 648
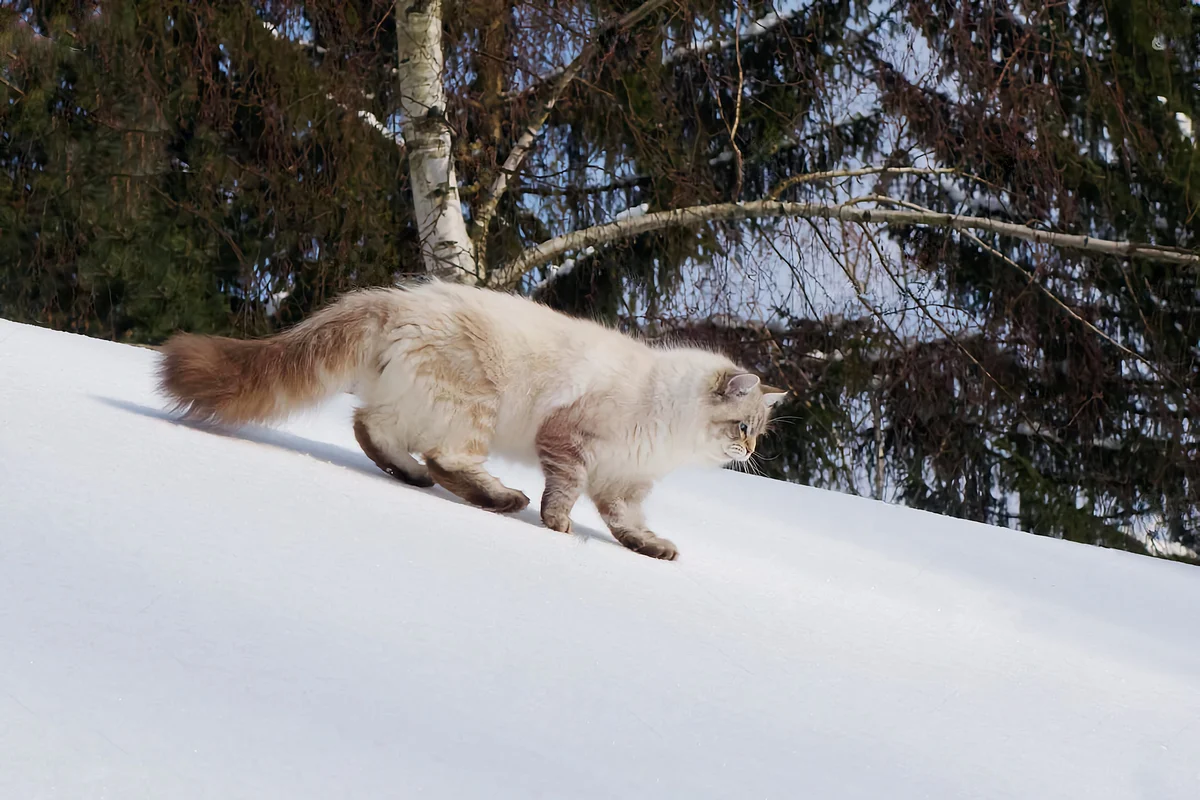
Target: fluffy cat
x: 455, y: 373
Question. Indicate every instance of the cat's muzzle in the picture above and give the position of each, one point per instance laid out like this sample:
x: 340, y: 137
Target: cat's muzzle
x: 738, y: 453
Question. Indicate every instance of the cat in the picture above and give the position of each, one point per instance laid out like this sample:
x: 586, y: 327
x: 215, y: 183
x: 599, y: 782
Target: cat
x: 455, y: 373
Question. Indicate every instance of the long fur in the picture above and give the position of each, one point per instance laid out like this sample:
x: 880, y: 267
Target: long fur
x: 233, y: 381
x: 454, y: 373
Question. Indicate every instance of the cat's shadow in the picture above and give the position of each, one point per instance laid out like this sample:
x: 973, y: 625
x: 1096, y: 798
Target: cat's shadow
x: 331, y: 453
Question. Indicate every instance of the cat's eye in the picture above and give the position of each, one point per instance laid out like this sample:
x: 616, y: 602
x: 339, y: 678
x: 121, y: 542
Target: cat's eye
x: 743, y: 428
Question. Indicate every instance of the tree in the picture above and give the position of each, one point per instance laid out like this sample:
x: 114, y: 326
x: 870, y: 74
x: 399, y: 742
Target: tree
x: 175, y: 165
x: 994, y: 312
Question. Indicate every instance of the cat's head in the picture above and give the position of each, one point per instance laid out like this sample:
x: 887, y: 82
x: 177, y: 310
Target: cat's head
x: 738, y: 415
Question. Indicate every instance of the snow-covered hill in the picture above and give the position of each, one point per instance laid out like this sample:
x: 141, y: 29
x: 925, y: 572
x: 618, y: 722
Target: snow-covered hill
x: 265, y: 615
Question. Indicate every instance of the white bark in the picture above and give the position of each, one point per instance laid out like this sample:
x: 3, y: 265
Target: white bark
x: 445, y: 246
x: 510, y: 275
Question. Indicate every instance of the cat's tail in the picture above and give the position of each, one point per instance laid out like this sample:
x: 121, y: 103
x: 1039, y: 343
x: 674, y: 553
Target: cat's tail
x: 235, y: 381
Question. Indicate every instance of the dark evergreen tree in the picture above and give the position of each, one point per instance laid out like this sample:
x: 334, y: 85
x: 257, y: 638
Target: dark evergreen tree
x: 174, y: 165
x: 229, y: 167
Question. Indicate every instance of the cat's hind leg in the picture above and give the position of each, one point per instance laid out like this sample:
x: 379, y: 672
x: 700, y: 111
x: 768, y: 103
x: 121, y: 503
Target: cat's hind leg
x: 387, y: 453
x: 457, y: 462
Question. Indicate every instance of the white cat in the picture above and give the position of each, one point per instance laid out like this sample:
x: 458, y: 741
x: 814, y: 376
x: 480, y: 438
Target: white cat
x: 455, y: 373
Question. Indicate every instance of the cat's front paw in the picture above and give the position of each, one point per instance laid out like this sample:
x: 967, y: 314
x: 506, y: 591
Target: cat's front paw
x: 557, y: 522
x: 646, y: 543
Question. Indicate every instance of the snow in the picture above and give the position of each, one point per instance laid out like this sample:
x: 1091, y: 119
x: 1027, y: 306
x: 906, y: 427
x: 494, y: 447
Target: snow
x: 630, y: 213
x: 758, y: 27
x: 1025, y: 429
x: 261, y: 613
x: 274, y: 301
x: 724, y: 157
x: 562, y: 270
x: 1185, y: 124
x: 370, y: 119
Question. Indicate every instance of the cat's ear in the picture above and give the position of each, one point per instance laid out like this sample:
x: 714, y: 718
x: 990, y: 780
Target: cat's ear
x: 740, y: 385
x: 771, y: 395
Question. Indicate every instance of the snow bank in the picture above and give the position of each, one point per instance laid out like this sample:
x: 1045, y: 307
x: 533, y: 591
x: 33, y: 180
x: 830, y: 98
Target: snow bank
x: 263, y: 614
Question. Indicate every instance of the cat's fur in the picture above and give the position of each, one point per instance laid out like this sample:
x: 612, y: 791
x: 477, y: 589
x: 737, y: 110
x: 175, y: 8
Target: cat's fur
x: 455, y: 373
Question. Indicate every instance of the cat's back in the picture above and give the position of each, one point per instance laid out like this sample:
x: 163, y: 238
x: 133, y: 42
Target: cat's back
x: 511, y: 321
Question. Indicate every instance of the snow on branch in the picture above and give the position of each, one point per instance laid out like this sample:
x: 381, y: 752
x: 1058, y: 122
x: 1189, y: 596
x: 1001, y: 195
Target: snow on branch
x: 306, y: 43
x: 508, y: 276
x: 366, y: 116
x: 568, y: 265
x: 371, y: 121
x: 762, y: 25
x: 615, y: 185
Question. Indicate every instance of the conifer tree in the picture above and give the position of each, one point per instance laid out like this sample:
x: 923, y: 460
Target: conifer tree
x: 965, y: 230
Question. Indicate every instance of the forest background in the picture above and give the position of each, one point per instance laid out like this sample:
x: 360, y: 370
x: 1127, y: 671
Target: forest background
x: 964, y: 235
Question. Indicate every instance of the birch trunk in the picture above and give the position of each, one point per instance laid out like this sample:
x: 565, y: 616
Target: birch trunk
x: 445, y: 246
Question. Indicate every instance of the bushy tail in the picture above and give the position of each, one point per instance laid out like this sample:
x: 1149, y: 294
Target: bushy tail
x: 235, y: 381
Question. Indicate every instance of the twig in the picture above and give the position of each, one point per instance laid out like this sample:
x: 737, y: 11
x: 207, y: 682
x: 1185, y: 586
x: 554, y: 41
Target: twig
x: 1053, y: 297
x: 491, y: 198
x: 11, y: 86
x: 812, y: 177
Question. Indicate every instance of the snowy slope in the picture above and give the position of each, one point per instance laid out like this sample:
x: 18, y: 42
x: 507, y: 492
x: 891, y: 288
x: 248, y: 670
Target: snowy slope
x: 265, y: 615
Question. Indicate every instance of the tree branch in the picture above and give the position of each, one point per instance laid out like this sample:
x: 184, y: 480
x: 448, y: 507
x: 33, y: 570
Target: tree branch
x: 813, y: 177
x: 491, y: 198
x: 756, y: 28
x: 575, y: 191
x: 508, y: 276
x: 11, y: 86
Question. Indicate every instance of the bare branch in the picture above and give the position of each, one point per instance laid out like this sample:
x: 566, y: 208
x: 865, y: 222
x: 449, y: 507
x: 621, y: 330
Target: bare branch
x: 575, y: 191
x: 510, y: 275
x: 11, y: 86
x: 1070, y: 311
x: 814, y: 177
x: 950, y: 337
x: 491, y: 198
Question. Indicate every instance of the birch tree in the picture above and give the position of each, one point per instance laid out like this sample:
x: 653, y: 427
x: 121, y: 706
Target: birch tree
x: 445, y: 247
x: 962, y: 233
